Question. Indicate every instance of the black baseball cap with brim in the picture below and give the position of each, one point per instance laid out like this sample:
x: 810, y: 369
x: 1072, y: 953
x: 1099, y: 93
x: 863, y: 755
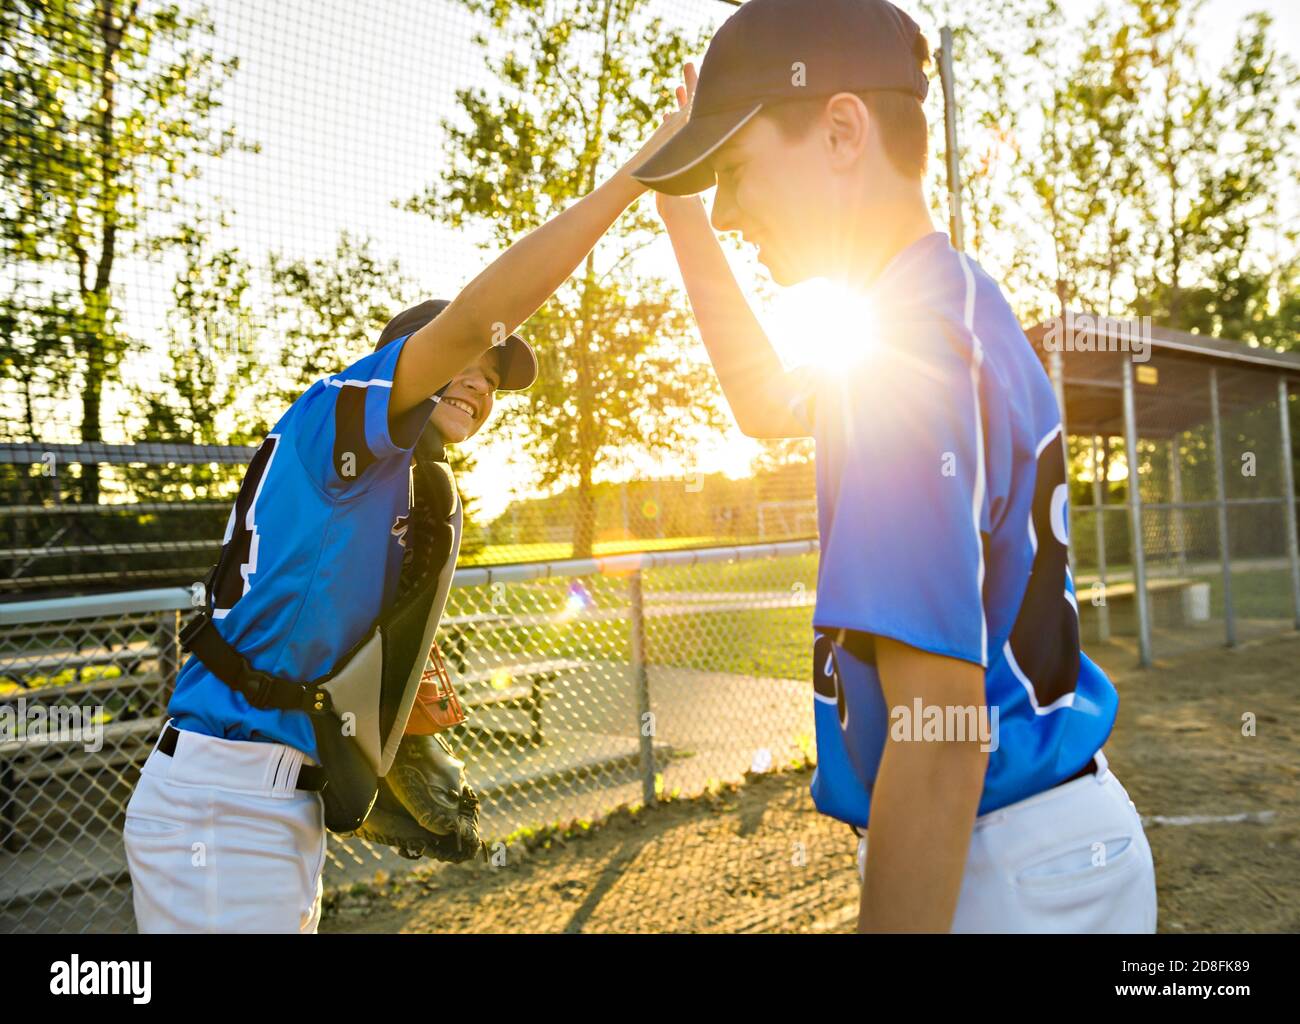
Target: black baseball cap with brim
x: 772, y: 51
x: 516, y: 362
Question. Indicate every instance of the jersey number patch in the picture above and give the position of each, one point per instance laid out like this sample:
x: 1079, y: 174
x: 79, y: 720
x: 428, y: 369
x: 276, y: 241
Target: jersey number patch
x: 826, y: 677
x: 1044, y: 644
x: 239, y: 547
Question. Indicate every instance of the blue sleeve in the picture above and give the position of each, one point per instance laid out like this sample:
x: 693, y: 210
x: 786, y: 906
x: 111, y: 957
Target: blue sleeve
x: 340, y: 424
x: 905, y: 555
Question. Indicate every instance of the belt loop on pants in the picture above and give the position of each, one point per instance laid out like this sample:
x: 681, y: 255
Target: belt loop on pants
x: 311, y: 778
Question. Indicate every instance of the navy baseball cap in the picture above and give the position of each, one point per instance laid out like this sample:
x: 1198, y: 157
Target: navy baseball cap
x: 772, y: 51
x: 516, y: 362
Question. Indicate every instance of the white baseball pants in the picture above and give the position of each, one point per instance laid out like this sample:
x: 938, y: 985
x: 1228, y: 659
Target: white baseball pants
x: 219, y: 840
x: 1071, y: 859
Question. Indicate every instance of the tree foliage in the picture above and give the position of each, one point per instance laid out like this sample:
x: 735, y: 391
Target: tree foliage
x: 109, y: 108
x: 580, y: 85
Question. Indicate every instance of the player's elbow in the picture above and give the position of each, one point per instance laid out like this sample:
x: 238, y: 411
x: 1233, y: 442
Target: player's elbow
x: 769, y: 426
x: 755, y: 427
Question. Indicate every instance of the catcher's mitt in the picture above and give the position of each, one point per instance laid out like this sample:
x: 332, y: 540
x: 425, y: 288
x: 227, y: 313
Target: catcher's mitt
x: 424, y: 807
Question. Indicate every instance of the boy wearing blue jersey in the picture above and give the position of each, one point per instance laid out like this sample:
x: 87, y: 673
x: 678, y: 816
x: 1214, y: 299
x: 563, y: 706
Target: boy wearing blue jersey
x: 959, y: 726
x: 225, y: 831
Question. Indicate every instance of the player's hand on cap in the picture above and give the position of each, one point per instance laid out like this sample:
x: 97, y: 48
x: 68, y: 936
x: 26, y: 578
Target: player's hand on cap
x: 674, y: 206
x: 671, y: 123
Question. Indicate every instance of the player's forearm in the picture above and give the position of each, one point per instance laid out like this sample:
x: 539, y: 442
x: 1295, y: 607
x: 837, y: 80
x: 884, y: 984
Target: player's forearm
x: 517, y: 282
x: 747, y: 366
x: 923, y: 806
x: 925, y: 797
x: 506, y: 293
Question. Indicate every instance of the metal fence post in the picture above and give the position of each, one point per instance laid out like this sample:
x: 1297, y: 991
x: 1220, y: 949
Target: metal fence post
x: 1221, y: 507
x: 1135, y: 517
x: 1056, y: 371
x: 9, y: 810
x: 1098, y: 503
x: 1176, y: 496
x: 952, y: 155
x: 1288, y: 490
x: 641, y: 678
x: 168, y: 641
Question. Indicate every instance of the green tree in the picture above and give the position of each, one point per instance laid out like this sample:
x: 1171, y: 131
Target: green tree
x: 580, y: 86
x: 1219, y: 149
x: 35, y: 357
x: 327, y: 312
x: 1160, y: 183
x: 1000, y: 57
x: 1087, y: 171
x: 108, y: 108
x: 203, y: 392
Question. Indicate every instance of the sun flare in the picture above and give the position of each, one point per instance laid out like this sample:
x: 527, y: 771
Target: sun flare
x: 822, y: 323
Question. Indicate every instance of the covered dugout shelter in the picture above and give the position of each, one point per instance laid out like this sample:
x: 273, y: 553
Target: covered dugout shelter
x: 1204, y: 550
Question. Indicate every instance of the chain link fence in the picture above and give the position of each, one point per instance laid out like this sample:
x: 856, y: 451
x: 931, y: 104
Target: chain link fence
x: 590, y: 685
x: 208, y: 207
x: 204, y: 212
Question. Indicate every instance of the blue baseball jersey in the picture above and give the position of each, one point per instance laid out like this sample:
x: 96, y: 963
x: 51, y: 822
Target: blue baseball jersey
x: 942, y: 494
x: 313, y: 547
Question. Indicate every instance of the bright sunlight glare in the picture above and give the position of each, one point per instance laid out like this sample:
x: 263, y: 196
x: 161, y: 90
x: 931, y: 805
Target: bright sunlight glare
x: 821, y: 323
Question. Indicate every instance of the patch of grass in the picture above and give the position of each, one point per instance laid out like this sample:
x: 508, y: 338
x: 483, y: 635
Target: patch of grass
x: 552, y: 551
x: 774, y: 642
x: 1263, y: 594
x: 758, y: 574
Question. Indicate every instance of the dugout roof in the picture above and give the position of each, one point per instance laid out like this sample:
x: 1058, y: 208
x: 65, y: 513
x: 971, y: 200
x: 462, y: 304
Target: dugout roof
x: 1171, y: 388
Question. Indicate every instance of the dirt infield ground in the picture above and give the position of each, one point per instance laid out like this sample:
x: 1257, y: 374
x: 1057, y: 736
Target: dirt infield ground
x: 1222, y: 811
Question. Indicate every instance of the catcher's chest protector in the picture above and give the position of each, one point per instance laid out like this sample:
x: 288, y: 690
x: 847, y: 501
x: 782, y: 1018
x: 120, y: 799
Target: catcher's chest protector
x: 359, y: 709
x: 376, y: 682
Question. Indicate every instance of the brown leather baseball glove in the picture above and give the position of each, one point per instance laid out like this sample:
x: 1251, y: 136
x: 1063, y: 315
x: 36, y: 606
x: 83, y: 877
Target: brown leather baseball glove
x: 425, y: 808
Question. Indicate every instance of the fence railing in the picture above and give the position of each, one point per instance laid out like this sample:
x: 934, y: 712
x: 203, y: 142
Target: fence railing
x: 52, y: 543
x: 591, y: 684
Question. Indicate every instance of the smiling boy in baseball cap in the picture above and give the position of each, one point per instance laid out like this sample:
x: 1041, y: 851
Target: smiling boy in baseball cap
x: 299, y: 710
x: 959, y: 725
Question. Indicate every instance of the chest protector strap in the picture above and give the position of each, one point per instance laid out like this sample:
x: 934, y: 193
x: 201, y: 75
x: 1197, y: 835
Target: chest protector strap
x: 359, y: 709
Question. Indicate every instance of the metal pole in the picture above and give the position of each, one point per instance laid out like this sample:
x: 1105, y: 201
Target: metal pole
x: 1288, y: 490
x: 1135, y: 517
x: 950, y: 135
x: 1221, y: 507
x: 642, y: 680
x: 168, y: 639
x: 1056, y: 371
x: 9, y: 811
x: 1098, y: 499
x: 1176, y: 495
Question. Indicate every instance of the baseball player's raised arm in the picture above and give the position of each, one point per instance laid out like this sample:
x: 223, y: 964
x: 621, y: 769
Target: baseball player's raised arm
x: 763, y: 396
x: 515, y: 284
